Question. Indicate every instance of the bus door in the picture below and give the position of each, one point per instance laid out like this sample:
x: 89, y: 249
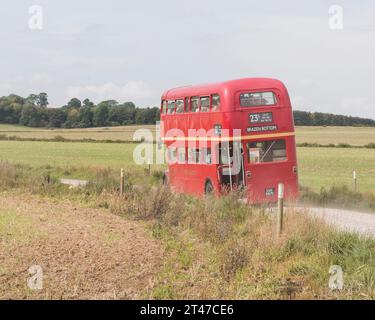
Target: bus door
x: 231, y: 170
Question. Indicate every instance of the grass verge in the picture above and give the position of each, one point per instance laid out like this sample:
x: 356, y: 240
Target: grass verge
x: 221, y: 248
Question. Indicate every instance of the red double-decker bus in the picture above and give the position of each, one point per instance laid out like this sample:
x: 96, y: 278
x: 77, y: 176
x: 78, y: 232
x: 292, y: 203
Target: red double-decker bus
x: 207, y: 127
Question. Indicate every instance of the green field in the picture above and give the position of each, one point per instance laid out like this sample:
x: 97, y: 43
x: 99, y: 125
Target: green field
x: 68, y: 154
x: 357, y: 136
x: 326, y: 167
x: 318, y: 167
x: 122, y: 133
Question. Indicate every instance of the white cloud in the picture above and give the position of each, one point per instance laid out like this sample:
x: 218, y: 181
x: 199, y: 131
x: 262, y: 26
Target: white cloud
x: 137, y: 91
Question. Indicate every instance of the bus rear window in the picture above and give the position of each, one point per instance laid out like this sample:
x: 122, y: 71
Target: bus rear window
x: 253, y: 99
x: 266, y: 151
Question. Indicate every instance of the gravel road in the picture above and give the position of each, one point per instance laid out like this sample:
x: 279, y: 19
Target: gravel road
x: 363, y: 223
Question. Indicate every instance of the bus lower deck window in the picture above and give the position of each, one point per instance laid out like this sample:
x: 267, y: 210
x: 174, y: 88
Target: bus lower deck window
x: 172, y: 154
x: 193, y: 155
x: 206, y: 156
x: 181, y: 155
x: 266, y: 151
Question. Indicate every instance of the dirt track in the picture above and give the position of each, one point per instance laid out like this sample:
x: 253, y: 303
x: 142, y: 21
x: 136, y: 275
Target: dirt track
x: 84, y: 253
x: 349, y: 220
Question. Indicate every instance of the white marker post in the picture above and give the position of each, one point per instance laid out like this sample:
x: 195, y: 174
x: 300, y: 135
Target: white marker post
x: 354, y: 181
x: 280, y: 210
x: 122, y: 182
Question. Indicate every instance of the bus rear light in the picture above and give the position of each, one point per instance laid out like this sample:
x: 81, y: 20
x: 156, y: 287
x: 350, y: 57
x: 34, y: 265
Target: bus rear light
x: 295, y: 169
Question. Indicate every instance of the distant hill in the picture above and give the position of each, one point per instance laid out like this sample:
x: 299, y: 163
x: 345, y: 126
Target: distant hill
x: 303, y: 118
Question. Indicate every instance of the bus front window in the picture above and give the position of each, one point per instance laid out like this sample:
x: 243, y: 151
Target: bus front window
x: 171, y: 107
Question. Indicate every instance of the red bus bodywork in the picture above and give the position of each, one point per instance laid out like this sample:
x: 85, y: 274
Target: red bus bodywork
x: 268, y: 150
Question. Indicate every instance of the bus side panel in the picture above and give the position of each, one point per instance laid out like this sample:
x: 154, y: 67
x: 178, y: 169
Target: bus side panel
x: 191, y: 178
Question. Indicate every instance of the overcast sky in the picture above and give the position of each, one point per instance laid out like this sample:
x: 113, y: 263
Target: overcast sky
x: 133, y: 50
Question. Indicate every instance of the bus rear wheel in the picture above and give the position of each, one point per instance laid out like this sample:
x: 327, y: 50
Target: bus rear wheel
x: 208, y: 187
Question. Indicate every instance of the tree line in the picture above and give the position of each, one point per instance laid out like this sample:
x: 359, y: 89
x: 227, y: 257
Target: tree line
x: 33, y: 111
x: 303, y: 118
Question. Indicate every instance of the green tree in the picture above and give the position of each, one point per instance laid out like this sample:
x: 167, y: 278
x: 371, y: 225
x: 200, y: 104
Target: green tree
x: 101, y: 114
x: 108, y: 103
x: 42, y: 100
x: 72, y: 118
x: 85, y: 117
x: 88, y: 103
x: 11, y: 108
x: 57, y: 117
x: 32, y: 99
x: 34, y: 116
x: 74, y: 103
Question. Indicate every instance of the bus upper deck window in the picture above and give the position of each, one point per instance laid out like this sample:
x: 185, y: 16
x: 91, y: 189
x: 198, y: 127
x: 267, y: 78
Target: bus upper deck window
x: 164, y: 107
x: 253, y: 99
x: 205, y: 104
x: 194, y: 104
x: 179, y: 106
x: 215, y: 102
x: 171, y: 107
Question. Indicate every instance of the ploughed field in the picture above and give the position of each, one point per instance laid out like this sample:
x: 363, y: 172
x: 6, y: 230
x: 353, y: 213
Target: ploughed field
x: 318, y: 167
